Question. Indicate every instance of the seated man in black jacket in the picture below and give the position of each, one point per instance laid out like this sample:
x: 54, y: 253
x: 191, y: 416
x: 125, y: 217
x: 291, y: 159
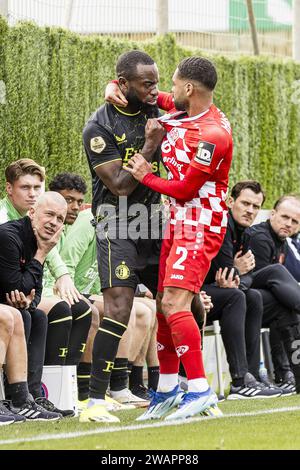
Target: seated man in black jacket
x: 239, y: 311
x: 24, y: 245
x: 279, y: 289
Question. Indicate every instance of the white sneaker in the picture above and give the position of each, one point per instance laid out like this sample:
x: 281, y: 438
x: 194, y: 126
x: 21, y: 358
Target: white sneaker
x: 161, y: 404
x: 194, y: 403
x: 125, y: 397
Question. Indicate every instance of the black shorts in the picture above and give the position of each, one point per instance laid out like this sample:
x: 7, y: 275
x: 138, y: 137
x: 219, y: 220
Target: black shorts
x: 127, y: 263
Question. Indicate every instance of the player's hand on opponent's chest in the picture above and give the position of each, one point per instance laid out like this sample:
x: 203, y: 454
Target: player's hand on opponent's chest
x: 154, y: 132
x: 138, y: 167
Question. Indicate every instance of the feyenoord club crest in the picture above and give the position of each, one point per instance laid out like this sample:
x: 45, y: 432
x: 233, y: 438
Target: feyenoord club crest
x: 122, y: 271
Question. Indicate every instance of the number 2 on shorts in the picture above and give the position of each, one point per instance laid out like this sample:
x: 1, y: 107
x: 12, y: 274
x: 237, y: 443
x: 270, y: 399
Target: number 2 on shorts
x: 183, y: 251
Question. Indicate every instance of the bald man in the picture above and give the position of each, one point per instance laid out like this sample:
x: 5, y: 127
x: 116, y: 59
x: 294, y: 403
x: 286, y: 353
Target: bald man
x: 24, y: 245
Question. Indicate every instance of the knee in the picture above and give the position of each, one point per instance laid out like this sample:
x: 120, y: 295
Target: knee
x: 254, y: 297
x: 279, y: 272
x: 60, y: 314
x: 18, y: 323
x: 82, y: 312
x: 238, y: 297
x: 167, y: 305
x: 39, y: 317
x: 6, y: 321
x: 119, y: 308
x: 144, y: 317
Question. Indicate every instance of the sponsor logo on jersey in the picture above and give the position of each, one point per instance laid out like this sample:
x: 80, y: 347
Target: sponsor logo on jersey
x: 181, y: 350
x: 160, y: 347
x: 205, y: 153
x: 122, y: 271
x: 177, y: 276
x: 120, y: 139
x: 97, y: 144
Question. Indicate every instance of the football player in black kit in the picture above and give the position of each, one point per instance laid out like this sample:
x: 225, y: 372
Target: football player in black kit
x: 123, y: 210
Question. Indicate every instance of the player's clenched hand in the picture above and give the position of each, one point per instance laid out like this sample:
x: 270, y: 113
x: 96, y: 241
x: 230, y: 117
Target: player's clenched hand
x: 154, y: 132
x: 114, y: 95
x: 138, y: 167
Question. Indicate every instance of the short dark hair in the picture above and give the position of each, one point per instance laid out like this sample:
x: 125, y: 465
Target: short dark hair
x: 286, y: 197
x: 68, y: 181
x: 200, y: 70
x: 128, y: 62
x: 255, y: 186
x: 22, y: 167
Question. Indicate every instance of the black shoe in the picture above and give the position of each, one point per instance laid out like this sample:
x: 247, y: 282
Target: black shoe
x: 34, y: 412
x: 284, y: 388
x: 49, y: 406
x: 17, y: 418
x: 6, y: 416
x: 252, y: 389
x: 287, y: 384
x: 140, y: 391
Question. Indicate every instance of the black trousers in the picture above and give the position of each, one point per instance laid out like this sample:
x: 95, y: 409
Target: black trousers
x: 280, y: 360
x: 281, y: 302
x: 35, y: 325
x: 240, y: 316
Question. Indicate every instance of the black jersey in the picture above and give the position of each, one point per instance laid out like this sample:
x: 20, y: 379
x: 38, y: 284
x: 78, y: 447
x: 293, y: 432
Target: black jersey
x: 111, y: 134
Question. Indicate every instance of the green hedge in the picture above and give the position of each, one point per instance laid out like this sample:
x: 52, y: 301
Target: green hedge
x: 54, y: 80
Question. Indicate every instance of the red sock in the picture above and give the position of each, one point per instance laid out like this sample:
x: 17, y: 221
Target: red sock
x: 187, y: 340
x: 168, y: 359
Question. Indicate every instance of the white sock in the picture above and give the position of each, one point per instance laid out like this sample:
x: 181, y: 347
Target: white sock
x: 167, y: 382
x: 118, y: 393
x: 96, y: 401
x: 198, y: 385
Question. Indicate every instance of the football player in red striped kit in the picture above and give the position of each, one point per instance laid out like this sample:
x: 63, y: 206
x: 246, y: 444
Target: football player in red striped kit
x: 197, y: 152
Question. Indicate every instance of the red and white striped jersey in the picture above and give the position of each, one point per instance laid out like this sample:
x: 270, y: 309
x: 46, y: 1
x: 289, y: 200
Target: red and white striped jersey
x: 205, y: 142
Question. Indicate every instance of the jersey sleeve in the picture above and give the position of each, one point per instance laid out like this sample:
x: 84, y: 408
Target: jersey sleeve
x: 77, y: 241
x: 213, y: 148
x: 165, y: 101
x: 99, y: 145
x: 55, y: 264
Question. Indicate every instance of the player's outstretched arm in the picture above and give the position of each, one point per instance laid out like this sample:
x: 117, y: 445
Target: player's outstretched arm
x: 183, y: 190
x: 114, y: 95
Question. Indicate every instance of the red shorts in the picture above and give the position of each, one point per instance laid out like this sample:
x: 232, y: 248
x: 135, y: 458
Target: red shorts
x: 186, y: 255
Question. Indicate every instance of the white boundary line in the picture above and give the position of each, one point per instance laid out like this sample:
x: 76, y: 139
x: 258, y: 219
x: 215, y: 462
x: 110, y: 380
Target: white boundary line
x: 104, y: 430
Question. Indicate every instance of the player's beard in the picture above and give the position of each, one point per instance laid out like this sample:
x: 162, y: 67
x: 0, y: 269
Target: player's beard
x: 151, y: 110
x: 180, y: 105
